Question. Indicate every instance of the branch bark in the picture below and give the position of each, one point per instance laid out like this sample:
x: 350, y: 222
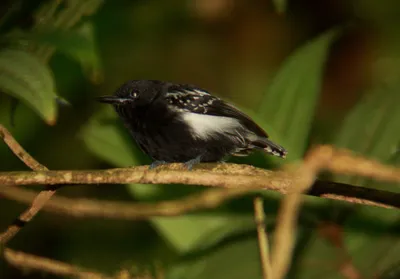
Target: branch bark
x: 228, y: 176
x: 89, y: 208
x: 26, y: 261
x: 38, y: 202
x: 263, y: 244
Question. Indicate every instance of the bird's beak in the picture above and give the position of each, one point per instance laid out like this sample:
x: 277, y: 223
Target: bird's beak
x: 115, y: 100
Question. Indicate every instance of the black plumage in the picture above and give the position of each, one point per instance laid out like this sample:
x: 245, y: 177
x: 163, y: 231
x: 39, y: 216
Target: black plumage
x: 182, y: 123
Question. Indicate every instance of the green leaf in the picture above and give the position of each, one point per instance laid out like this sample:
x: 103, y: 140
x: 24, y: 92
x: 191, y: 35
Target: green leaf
x: 290, y: 101
x: 315, y: 257
x: 372, y: 127
x: 186, y: 233
x: 24, y: 77
x: 103, y: 138
x: 78, y: 43
x: 372, y: 239
x: 392, y: 272
x: 197, y: 263
x: 237, y: 260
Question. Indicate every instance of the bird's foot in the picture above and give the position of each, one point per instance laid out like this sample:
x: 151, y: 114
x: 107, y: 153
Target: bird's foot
x: 190, y: 164
x: 156, y: 164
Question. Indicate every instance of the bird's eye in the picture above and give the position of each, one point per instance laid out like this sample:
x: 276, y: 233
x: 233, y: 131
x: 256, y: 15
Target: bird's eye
x: 134, y: 94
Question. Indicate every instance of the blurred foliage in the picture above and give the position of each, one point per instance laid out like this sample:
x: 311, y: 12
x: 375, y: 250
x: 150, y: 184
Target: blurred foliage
x: 280, y: 5
x: 23, y: 76
x: 308, y: 73
x: 293, y: 94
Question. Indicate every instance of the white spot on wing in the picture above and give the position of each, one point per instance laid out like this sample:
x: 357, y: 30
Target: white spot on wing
x: 200, y: 92
x: 205, y: 126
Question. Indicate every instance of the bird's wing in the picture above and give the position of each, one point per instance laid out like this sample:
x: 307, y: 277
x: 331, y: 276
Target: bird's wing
x: 190, y: 99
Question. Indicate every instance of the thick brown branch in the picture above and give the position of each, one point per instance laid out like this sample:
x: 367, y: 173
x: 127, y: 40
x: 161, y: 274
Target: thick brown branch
x: 226, y: 175
x: 26, y: 261
x: 219, y: 175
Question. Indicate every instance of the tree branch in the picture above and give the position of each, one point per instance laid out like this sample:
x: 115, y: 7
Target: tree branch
x: 263, y: 244
x: 26, y: 261
x: 217, y: 175
x: 231, y: 176
x: 213, y: 175
x: 38, y: 202
x: 19, y: 151
x: 87, y: 208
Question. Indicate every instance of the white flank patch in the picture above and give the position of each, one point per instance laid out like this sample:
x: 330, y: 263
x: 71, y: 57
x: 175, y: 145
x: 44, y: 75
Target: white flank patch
x: 205, y: 126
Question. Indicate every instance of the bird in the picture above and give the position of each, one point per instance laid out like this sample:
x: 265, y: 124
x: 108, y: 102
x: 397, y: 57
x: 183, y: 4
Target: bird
x: 182, y: 123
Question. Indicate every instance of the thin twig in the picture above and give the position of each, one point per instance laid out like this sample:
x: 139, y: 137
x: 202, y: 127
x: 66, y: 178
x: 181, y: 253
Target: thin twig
x: 259, y: 216
x: 37, y: 202
x: 285, y: 232
x: 89, y: 208
x: 26, y: 261
x: 19, y: 151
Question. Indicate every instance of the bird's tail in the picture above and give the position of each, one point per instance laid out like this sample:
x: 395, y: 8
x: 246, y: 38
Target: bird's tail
x: 270, y: 147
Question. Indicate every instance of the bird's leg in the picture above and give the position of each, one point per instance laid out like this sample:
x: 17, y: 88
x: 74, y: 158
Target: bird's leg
x: 189, y: 164
x: 156, y: 164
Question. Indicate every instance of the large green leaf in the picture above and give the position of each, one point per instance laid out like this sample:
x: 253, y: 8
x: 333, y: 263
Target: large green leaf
x: 78, y: 44
x: 290, y: 101
x: 24, y: 77
x: 377, y: 248
x: 103, y: 138
x: 315, y: 257
x: 186, y: 233
x: 372, y: 127
x: 236, y: 260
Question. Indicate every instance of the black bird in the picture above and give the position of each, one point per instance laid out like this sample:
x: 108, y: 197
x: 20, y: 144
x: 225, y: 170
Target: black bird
x: 183, y: 123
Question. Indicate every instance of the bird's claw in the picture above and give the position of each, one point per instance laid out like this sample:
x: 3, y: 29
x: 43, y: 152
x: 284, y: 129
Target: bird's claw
x: 190, y: 164
x: 156, y: 164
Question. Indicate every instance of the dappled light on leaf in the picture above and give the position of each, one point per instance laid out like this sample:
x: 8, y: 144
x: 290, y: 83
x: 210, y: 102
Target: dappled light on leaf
x: 290, y: 100
x: 372, y: 126
x: 24, y: 77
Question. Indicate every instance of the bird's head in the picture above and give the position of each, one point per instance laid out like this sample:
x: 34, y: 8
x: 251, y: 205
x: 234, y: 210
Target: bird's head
x: 134, y: 93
